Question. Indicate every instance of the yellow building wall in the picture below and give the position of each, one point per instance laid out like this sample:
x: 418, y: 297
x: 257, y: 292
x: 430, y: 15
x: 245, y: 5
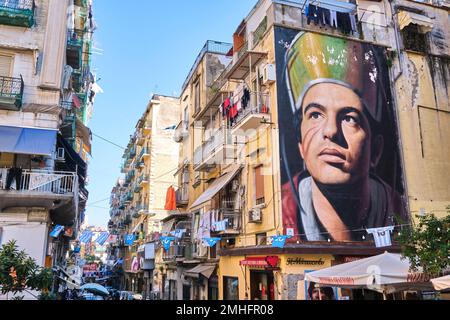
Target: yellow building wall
x: 425, y: 132
x: 229, y: 266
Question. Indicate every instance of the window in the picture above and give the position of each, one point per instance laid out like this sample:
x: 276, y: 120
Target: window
x: 414, y: 39
x: 259, y: 186
x: 197, y: 96
x: 186, y: 118
x: 6, y: 63
x: 230, y: 288
x: 261, y: 239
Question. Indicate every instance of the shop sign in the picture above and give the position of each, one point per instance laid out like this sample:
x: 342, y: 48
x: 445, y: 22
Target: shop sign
x: 261, y: 262
x: 299, y: 261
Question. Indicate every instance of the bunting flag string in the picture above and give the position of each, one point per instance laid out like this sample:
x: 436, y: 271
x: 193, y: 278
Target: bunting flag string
x: 86, y: 237
x: 101, y: 239
x: 178, y: 233
x: 56, y: 231
x: 279, y: 241
x: 166, y: 242
x: 210, y: 242
x: 129, y: 239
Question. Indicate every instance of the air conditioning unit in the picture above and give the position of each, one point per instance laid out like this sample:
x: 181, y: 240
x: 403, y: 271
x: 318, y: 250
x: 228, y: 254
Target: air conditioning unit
x: 269, y: 75
x: 255, y: 215
x: 60, y: 154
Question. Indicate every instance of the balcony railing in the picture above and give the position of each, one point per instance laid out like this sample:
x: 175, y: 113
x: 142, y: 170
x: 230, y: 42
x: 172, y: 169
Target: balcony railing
x: 55, y: 182
x: 144, y: 154
x: 233, y: 224
x: 17, y: 12
x: 217, y: 150
x: 182, y: 195
x: 174, y: 252
x: 251, y: 116
x: 11, y: 93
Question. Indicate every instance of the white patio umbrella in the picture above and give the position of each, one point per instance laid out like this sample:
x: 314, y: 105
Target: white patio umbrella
x: 441, y: 283
x: 385, y: 273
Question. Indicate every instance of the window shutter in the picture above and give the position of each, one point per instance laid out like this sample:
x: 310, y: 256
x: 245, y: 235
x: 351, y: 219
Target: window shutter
x: 259, y: 185
x: 5, y: 65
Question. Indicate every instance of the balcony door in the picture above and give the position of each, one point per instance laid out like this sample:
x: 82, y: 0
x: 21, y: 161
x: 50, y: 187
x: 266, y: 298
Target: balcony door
x: 6, y: 67
x: 6, y: 64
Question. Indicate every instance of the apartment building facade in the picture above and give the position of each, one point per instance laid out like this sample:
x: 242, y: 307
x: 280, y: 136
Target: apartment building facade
x: 138, y: 199
x: 242, y: 163
x: 43, y: 163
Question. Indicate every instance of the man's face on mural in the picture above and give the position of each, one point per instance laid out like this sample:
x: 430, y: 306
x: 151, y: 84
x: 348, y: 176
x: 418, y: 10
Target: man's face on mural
x: 336, y: 138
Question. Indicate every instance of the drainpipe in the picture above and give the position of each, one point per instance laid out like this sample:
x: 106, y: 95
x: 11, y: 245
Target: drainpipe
x: 397, y: 41
x: 396, y: 106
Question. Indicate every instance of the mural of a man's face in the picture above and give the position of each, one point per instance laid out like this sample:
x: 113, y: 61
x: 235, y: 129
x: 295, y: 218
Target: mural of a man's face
x: 336, y: 137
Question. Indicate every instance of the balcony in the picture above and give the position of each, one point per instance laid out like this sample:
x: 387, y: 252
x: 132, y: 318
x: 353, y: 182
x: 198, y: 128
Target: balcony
x: 255, y: 114
x: 18, y: 13
x: 11, y: 93
x: 219, y: 149
x: 175, y: 252
x: 75, y: 41
x: 140, y: 139
x: 146, y: 130
x: 182, y: 195
x: 181, y: 131
x: 145, y: 154
x: 36, y: 188
x: 142, y: 209
x: 144, y: 180
x: 245, y: 61
x: 233, y: 224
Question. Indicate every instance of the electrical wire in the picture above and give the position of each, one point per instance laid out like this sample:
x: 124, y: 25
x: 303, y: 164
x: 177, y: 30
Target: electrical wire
x: 110, y: 142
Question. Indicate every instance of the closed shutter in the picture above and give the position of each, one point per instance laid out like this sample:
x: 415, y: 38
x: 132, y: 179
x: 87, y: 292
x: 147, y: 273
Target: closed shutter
x: 5, y: 66
x: 259, y: 185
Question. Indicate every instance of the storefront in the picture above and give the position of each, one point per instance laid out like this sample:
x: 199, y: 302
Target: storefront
x: 268, y: 277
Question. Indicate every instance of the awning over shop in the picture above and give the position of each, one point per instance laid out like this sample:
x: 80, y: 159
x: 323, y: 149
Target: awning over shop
x: 216, y: 186
x: 385, y: 273
x: 442, y: 283
x: 405, y: 18
x: 27, y: 140
x: 204, y: 270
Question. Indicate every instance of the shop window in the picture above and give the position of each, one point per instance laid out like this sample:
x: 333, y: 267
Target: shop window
x: 414, y: 39
x: 230, y: 288
x: 259, y: 186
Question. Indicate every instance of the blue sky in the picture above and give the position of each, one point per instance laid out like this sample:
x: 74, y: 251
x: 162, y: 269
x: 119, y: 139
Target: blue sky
x: 147, y: 46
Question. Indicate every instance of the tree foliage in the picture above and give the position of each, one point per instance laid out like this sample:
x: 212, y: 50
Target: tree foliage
x: 427, y: 244
x: 19, y: 272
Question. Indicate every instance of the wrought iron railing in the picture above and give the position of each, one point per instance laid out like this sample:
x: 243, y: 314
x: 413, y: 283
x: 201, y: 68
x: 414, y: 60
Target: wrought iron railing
x: 182, y: 194
x: 75, y: 37
x: 212, y: 47
x: 232, y: 218
x: 259, y: 104
x: 42, y: 181
x: 12, y: 88
x: 17, y: 4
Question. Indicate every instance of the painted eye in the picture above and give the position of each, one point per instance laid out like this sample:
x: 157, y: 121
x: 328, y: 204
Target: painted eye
x: 315, y: 115
x: 350, y: 120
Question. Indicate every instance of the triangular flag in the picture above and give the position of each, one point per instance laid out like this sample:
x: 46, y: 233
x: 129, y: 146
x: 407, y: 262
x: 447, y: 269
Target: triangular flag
x: 56, y: 231
x: 166, y: 241
x: 279, y: 241
x: 211, y: 242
